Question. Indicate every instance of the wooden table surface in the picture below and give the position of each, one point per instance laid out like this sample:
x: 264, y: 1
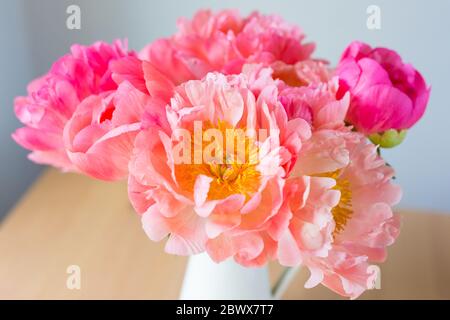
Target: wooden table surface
x: 67, y: 219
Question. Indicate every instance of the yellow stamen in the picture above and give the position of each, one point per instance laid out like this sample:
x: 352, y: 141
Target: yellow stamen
x: 343, y: 211
x: 231, y: 174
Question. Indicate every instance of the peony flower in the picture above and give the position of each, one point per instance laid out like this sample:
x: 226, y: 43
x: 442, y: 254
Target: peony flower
x: 268, y: 38
x: 99, y: 137
x: 206, y: 43
x: 225, y: 202
x: 53, y: 98
x: 224, y: 42
x: 316, y: 103
x: 362, y: 224
x: 308, y: 204
x: 387, y: 94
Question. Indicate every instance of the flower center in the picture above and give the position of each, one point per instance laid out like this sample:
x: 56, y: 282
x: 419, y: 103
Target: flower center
x: 289, y: 76
x: 107, y: 113
x: 230, y: 160
x: 343, y: 211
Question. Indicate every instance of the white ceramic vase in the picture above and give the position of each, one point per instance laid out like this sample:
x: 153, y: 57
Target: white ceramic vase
x: 205, y: 279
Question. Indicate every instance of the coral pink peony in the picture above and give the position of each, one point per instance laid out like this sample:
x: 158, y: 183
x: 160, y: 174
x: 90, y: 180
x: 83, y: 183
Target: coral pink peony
x: 386, y: 92
x: 224, y: 42
x: 268, y: 38
x: 226, y: 204
x: 99, y: 137
x: 53, y: 98
x: 360, y: 220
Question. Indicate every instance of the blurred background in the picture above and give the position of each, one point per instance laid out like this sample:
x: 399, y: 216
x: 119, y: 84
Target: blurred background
x: 34, y: 34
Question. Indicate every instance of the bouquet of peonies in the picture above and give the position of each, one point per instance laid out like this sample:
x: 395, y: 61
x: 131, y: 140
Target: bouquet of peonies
x: 237, y: 142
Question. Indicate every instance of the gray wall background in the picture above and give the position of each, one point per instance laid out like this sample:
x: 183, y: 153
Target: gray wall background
x: 33, y: 34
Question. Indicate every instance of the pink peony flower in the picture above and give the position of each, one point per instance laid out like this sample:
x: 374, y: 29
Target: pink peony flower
x: 226, y: 204
x: 99, y: 137
x: 360, y: 220
x: 224, y: 42
x: 308, y: 204
x: 386, y: 93
x: 268, y: 38
x: 316, y: 103
x: 53, y: 98
x: 206, y: 43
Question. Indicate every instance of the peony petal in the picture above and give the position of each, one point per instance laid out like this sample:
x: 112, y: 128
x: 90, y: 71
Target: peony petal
x: 154, y: 224
x: 108, y: 158
x: 380, y: 108
x: 129, y: 69
x: 225, y: 216
x: 130, y: 105
x: 201, y: 189
x: 315, y: 278
x: 288, y: 252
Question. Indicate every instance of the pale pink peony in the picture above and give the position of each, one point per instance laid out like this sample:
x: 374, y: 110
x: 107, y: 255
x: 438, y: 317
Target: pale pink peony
x: 224, y: 42
x: 308, y: 202
x: 53, y: 98
x: 228, y: 209
x: 362, y: 221
x: 386, y: 92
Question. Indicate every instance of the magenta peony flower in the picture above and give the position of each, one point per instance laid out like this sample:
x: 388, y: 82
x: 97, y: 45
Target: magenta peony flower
x: 53, y: 98
x: 387, y: 94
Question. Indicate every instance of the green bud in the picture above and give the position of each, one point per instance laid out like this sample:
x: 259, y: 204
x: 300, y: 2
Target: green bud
x: 389, y: 138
